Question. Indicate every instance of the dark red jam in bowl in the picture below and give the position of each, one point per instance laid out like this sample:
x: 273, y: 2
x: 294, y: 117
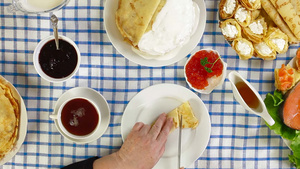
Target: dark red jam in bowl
x: 58, y: 63
x: 196, y: 73
x: 79, y: 117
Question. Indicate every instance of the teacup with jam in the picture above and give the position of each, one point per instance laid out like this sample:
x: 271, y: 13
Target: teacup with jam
x: 78, y: 118
x: 56, y: 65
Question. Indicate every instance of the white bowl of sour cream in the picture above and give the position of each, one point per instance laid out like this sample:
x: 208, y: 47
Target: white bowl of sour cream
x: 156, y: 53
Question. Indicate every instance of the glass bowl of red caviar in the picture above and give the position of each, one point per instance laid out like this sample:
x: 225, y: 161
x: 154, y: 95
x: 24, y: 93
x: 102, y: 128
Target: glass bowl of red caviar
x: 205, y: 70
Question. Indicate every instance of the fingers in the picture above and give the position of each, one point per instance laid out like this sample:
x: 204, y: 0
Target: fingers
x: 145, y: 129
x: 156, y: 128
x: 161, y: 151
x: 137, y: 126
x: 163, y: 135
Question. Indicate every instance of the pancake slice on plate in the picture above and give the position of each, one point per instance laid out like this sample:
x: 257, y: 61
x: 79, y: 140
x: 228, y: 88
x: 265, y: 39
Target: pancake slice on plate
x: 133, y: 18
x: 188, y: 118
x: 9, y: 119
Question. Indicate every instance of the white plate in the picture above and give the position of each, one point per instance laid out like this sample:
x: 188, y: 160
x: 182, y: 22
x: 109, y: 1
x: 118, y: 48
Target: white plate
x: 22, y: 125
x: 147, y: 105
x: 95, y: 97
x: 124, y: 48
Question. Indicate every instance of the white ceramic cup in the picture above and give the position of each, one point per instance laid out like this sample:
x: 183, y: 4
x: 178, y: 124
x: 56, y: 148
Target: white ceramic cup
x: 38, y: 68
x: 64, y: 131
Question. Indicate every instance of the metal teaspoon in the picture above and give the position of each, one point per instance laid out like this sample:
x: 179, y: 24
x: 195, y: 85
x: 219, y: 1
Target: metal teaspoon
x: 54, y: 21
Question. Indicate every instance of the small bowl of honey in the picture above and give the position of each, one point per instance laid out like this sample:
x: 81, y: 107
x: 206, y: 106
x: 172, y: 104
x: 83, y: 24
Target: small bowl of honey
x: 78, y: 118
x: 56, y: 65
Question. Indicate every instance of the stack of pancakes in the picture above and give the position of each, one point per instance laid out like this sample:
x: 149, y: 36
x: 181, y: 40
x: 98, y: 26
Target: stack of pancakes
x: 9, y: 118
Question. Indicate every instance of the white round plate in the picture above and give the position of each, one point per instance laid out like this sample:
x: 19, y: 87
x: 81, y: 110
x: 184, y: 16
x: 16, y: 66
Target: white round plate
x: 148, y: 104
x: 95, y: 97
x: 22, y: 125
x: 124, y: 48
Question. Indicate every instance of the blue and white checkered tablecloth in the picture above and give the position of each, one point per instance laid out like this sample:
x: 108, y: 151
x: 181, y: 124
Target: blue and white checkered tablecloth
x: 238, y: 139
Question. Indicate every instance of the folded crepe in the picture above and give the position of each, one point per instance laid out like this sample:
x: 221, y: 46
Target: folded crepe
x: 256, y: 30
x: 243, y: 47
x: 277, y: 19
x: 264, y: 51
x: 223, y: 10
x: 158, y: 9
x: 251, y: 5
x: 289, y: 15
x: 230, y: 29
x: 133, y: 18
x: 284, y: 78
x: 277, y: 40
x: 9, y: 119
x: 243, y: 16
x: 188, y: 118
x: 296, y: 4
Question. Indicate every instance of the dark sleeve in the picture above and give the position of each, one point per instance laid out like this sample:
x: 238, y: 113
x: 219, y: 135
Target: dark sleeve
x: 85, y: 164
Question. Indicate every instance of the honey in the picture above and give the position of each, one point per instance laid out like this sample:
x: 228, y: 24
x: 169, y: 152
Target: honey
x: 247, y: 94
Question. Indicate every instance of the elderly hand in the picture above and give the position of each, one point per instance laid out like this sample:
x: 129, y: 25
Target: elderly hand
x: 145, y: 145
x: 142, y: 148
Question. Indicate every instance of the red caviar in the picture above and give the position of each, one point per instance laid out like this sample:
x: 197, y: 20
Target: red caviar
x: 196, y: 73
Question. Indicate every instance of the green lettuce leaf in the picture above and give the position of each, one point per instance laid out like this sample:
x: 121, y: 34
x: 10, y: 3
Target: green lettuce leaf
x: 295, y: 161
x: 273, y: 103
x: 295, y: 146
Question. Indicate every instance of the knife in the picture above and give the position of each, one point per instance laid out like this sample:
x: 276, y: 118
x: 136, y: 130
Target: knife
x: 179, y: 142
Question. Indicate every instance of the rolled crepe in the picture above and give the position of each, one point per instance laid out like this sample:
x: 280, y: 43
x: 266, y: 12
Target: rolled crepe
x: 288, y: 13
x: 277, y: 19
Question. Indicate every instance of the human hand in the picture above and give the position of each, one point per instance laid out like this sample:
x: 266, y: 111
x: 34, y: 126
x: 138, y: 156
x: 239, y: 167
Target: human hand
x: 145, y: 145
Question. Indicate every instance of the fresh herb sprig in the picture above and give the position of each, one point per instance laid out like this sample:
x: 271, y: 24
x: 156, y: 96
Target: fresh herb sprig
x: 205, y: 61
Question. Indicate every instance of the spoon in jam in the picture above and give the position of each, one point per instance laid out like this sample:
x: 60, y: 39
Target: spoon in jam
x: 54, y: 21
x: 248, y: 97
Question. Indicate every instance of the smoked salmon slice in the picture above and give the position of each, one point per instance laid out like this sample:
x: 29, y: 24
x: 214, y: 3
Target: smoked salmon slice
x: 291, y: 108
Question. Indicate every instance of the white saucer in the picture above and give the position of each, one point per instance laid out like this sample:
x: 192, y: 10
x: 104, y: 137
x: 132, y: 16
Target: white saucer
x: 22, y: 125
x: 100, y: 102
x: 147, y: 105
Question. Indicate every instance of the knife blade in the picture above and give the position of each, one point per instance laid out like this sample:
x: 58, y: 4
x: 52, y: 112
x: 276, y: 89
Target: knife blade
x: 179, y: 142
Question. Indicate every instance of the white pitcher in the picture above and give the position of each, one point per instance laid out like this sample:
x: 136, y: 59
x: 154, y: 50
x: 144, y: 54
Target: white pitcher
x: 234, y: 77
x: 36, y: 6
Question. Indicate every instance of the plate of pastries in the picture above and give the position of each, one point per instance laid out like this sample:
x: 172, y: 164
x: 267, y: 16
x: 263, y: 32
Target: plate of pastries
x: 260, y: 28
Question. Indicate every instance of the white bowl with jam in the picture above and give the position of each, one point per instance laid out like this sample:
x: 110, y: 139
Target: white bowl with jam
x: 56, y: 65
x: 205, y: 70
